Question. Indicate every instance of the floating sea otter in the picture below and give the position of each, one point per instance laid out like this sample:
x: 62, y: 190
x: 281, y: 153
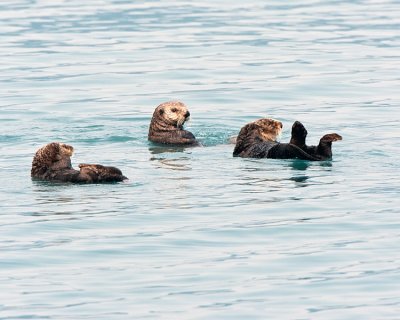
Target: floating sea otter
x: 53, y: 162
x: 166, y: 126
x: 258, y: 140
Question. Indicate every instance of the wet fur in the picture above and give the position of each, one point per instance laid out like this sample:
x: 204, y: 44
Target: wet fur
x: 323, y: 151
x: 53, y: 163
x: 166, y: 126
x: 258, y: 140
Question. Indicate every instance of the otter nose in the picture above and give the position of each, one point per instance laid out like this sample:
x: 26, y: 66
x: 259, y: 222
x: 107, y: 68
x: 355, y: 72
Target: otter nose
x: 187, y: 114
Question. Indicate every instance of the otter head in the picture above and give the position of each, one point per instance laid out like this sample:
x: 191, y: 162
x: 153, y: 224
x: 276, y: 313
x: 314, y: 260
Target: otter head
x: 265, y: 129
x: 53, y: 156
x: 172, y: 113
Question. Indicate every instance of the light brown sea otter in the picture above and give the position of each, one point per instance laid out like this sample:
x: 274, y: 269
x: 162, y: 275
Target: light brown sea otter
x: 53, y: 163
x: 257, y: 139
x: 166, y: 126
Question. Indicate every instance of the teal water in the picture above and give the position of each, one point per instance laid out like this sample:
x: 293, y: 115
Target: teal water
x: 196, y: 233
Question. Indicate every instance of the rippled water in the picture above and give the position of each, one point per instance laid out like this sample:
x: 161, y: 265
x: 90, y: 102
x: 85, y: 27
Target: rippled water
x: 196, y: 233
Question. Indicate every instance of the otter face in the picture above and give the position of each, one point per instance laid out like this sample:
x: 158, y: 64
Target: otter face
x: 66, y: 150
x: 54, y: 152
x: 62, y: 159
x: 174, y: 113
x: 268, y: 129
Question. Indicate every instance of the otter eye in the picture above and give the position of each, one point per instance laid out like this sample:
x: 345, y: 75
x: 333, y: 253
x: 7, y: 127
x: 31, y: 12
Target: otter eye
x: 174, y: 109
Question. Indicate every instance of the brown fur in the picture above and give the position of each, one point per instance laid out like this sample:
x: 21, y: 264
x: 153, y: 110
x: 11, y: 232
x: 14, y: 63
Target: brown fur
x: 53, y: 156
x: 166, y: 126
x: 53, y: 162
x: 257, y: 139
x: 256, y: 132
x: 323, y: 150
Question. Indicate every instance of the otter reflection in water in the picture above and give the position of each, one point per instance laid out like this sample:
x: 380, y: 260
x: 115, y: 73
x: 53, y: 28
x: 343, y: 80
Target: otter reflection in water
x: 257, y: 139
x: 53, y: 163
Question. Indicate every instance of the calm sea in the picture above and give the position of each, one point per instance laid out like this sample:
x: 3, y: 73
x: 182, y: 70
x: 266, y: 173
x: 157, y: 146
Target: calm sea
x: 196, y: 233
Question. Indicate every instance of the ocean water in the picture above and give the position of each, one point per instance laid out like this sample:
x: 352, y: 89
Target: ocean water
x: 196, y: 233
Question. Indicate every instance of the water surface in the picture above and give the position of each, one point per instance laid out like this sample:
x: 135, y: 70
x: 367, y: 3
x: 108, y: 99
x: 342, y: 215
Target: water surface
x: 196, y: 233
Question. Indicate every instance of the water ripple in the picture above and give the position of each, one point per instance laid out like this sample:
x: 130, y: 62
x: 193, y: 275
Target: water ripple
x: 196, y: 233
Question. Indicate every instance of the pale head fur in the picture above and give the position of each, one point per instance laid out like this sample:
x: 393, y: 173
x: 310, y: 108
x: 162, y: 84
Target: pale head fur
x: 53, y: 156
x: 268, y: 129
x: 173, y: 113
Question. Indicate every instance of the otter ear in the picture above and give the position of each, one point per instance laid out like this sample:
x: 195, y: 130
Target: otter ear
x: 161, y: 111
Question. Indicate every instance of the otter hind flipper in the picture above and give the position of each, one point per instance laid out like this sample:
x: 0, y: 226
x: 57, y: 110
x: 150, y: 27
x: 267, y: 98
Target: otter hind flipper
x: 298, y: 135
x: 324, y: 148
x: 323, y: 151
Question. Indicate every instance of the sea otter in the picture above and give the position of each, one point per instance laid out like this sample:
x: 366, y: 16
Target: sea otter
x: 166, y: 126
x: 257, y: 139
x: 53, y: 163
x: 322, y: 151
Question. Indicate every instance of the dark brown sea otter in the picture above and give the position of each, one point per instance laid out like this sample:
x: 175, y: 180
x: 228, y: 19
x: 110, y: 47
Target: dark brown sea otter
x: 53, y: 163
x: 258, y: 140
x: 166, y: 126
x: 323, y: 150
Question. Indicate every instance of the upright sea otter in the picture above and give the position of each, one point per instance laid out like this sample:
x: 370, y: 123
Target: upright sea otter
x: 166, y: 126
x: 53, y: 162
x: 258, y: 140
x: 324, y: 149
